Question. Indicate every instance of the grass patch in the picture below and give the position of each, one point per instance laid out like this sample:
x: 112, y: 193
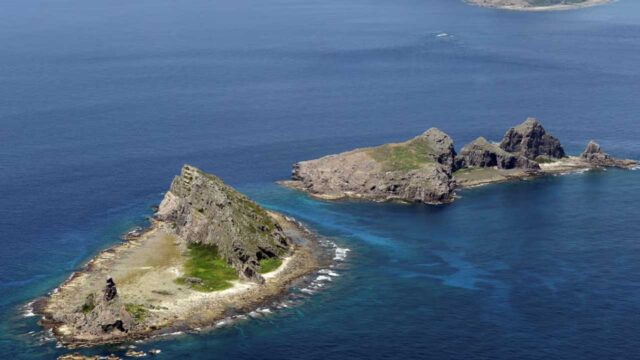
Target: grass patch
x: 139, y: 312
x: 89, y: 304
x: 205, y: 264
x: 544, y: 160
x: 406, y: 156
x: 269, y: 265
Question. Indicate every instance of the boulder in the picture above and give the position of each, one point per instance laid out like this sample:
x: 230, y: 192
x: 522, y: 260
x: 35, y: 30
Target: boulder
x: 531, y: 140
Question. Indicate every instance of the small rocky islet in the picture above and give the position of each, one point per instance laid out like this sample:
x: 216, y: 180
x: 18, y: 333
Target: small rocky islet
x: 428, y: 169
x: 537, y: 5
x: 209, y: 252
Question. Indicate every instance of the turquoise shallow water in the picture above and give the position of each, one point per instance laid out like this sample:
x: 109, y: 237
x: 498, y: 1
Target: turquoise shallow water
x: 102, y: 102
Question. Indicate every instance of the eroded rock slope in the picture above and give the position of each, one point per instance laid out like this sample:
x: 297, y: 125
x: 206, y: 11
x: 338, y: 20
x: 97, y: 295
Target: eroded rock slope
x: 204, y: 210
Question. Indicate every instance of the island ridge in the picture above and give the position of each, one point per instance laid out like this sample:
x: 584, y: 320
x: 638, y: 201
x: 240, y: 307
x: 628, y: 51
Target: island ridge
x: 427, y: 168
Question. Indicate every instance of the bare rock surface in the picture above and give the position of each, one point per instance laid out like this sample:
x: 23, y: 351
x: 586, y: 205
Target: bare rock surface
x: 482, y: 153
x: 531, y: 140
x: 418, y: 170
x: 204, y: 210
x: 537, y: 5
x: 594, y: 155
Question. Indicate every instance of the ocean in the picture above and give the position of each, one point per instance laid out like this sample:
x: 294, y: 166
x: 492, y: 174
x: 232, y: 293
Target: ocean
x: 103, y: 101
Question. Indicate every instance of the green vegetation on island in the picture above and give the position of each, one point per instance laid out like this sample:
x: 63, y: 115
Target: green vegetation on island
x: 269, y: 265
x: 241, y: 230
x: 139, y: 312
x: 89, y: 304
x: 406, y: 156
x: 206, y: 271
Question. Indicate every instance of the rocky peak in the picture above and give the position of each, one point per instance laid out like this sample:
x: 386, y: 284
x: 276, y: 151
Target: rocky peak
x: 530, y: 139
x: 593, y: 148
x: 442, y: 144
x: 202, y: 209
x: 110, y: 291
x: 482, y: 153
x: 594, y: 155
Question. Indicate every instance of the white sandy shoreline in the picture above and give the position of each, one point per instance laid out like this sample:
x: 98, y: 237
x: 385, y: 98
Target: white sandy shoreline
x: 144, y: 269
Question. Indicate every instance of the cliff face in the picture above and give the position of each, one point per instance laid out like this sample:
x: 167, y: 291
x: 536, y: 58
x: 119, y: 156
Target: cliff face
x: 203, y: 210
x: 531, y: 140
x: 481, y: 153
x: 418, y: 170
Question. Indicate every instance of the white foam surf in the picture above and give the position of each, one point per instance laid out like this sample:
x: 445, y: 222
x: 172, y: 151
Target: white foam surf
x: 328, y: 272
x: 341, y: 254
x: 27, y: 310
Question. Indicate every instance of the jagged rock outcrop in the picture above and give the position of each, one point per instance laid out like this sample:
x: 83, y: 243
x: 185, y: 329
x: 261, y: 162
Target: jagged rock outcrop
x: 204, y: 210
x: 594, y: 155
x: 531, y: 140
x: 418, y: 170
x: 481, y: 153
x: 103, y: 315
x: 443, y: 150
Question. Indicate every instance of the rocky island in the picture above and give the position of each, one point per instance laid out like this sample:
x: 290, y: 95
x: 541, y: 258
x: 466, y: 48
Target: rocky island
x: 417, y: 170
x: 537, y: 5
x: 209, y: 252
x: 427, y: 168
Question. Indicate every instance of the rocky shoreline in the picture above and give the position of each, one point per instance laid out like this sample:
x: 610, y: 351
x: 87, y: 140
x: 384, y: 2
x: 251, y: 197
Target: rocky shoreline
x: 427, y: 169
x: 532, y: 5
x: 131, y: 291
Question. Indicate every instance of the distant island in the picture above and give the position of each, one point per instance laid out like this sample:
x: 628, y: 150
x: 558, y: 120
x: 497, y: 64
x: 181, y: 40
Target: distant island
x: 210, y: 253
x: 537, y: 5
x: 427, y: 168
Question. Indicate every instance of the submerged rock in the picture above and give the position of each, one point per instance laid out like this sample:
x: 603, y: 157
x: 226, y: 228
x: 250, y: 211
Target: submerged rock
x: 481, y: 153
x: 204, y: 210
x: 531, y: 140
x: 594, y: 155
x: 78, y: 356
x: 135, y: 354
x: 418, y: 170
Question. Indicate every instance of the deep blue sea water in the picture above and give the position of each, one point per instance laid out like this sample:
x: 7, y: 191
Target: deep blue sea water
x: 102, y: 101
